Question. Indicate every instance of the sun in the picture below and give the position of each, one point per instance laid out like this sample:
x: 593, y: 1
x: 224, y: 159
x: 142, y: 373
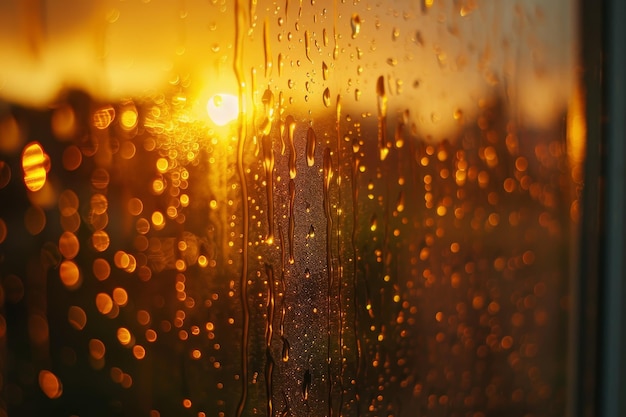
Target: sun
x: 223, y: 108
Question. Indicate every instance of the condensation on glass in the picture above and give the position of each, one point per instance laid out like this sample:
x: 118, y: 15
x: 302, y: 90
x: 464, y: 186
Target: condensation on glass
x: 287, y: 208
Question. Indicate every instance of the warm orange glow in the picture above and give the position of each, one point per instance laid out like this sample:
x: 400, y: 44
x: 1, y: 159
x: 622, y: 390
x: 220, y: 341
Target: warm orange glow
x: 158, y: 220
x: 124, y: 336
x: 96, y: 349
x: 72, y: 158
x: 100, y: 240
x: 576, y: 127
x: 121, y: 259
x: 142, y: 226
x: 120, y: 296
x: 34, y: 164
x: 50, y: 384
x: 135, y: 206
x: 139, y: 352
x: 71, y: 223
x: 104, y: 303
x: 143, y: 317
x: 69, y: 245
x: 117, y: 374
x: 188, y: 202
x: 129, y: 118
x: 99, y: 203
x: 151, y: 335
x: 77, y: 317
x: 70, y: 274
x: 162, y: 165
x: 101, y: 269
x: 103, y: 117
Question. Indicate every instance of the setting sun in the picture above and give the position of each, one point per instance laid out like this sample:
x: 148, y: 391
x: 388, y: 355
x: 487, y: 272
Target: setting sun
x: 223, y: 108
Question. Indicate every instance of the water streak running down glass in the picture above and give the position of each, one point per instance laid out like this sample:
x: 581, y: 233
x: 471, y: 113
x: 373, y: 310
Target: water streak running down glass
x: 287, y: 208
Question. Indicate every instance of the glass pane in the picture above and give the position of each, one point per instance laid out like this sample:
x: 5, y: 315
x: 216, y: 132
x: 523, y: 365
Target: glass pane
x: 287, y: 208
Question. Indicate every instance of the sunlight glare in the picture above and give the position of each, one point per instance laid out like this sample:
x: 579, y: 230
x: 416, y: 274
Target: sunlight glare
x: 223, y: 108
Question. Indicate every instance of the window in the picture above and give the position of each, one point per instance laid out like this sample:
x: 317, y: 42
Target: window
x: 283, y: 208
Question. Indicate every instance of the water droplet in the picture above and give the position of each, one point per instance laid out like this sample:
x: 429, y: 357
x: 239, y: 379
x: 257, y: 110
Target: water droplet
x: 285, y: 350
x: 326, y: 97
x: 324, y: 71
x: 306, y: 385
x: 307, y: 273
x: 399, y: 138
x: 395, y: 33
x: 290, y: 127
x: 382, y: 118
x: 268, y: 101
x: 400, y: 202
x: 373, y: 223
x: 292, y: 226
x: 311, y: 233
x: 268, y: 163
x: 419, y: 38
x: 307, y: 45
x: 382, y: 97
x: 266, y: 48
x: 338, y: 112
x: 286, y: 411
x: 355, y: 24
x: 310, y: 147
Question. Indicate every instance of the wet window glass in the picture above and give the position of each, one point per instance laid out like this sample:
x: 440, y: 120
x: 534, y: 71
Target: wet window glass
x: 283, y: 208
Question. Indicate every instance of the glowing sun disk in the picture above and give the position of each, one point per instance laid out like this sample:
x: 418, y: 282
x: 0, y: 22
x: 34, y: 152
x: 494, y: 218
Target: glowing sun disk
x: 223, y: 108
